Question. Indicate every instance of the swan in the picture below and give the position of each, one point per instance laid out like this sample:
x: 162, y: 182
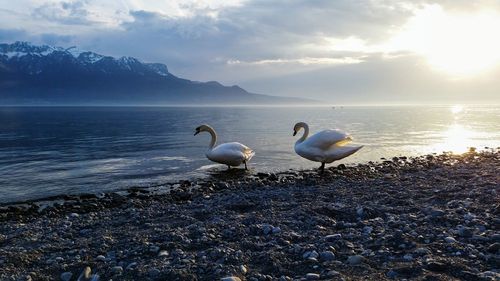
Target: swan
x: 230, y: 154
x: 325, y: 146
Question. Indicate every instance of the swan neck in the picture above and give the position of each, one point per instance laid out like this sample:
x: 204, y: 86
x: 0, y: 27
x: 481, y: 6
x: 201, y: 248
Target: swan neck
x: 214, y: 138
x: 305, y: 135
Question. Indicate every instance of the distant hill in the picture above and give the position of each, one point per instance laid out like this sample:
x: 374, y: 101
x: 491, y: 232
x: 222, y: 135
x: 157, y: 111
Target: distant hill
x: 46, y: 75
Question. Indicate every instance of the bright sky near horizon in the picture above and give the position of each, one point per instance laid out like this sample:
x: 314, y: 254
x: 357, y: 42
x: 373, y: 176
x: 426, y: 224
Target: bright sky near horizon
x: 341, y: 51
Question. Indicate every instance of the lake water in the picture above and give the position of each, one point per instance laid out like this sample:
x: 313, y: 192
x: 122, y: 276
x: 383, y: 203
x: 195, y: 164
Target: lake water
x: 48, y: 151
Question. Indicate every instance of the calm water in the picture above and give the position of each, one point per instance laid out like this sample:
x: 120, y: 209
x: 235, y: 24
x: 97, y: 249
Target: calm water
x: 48, y: 151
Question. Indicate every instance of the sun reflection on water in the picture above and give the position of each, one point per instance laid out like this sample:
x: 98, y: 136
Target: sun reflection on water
x: 457, y: 139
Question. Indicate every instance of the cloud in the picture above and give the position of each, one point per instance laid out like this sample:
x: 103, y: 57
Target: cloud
x: 265, y: 46
x: 68, y: 13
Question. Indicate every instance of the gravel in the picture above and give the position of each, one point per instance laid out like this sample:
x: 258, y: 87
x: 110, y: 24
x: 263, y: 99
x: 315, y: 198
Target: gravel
x: 434, y: 217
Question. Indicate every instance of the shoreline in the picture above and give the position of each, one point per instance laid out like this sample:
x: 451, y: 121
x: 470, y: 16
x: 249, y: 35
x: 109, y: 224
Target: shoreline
x: 433, y: 216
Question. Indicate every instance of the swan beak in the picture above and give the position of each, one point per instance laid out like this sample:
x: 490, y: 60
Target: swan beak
x: 197, y: 132
x: 294, y: 133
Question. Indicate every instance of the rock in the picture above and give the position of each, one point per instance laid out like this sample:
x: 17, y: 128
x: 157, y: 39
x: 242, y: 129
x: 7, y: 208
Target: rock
x: 333, y: 237
x: 436, y: 266
x: 437, y: 213
x: 310, y: 255
x: 332, y: 273
x: 154, y: 272
x: 422, y: 251
x: 230, y: 278
x: 312, y: 276
x: 327, y: 256
x: 465, y: 231
x: 86, y: 273
x: 267, y: 228
x: 243, y: 269
x: 276, y: 230
x: 408, y: 257
x: 163, y: 253
x: 131, y: 266
x: 450, y: 240
x: 392, y: 274
x: 116, y: 270
x: 355, y: 260
x: 100, y: 258
x: 493, y: 248
x: 66, y: 276
x: 154, y: 249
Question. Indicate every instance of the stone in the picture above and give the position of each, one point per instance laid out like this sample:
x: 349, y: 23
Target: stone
x: 154, y: 272
x: 436, y: 266
x: 465, y: 232
x: 312, y: 276
x: 327, y: 256
x: 230, y: 278
x: 100, y: 258
x: 117, y: 270
x: 391, y: 274
x: 66, y: 276
x: 450, y: 240
x: 131, y: 266
x: 333, y: 237
x: 163, y: 253
x: 355, y: 260
x: 493, y: 248
x: 310, y: 255
x: 422, y: 251
x: 243, y: 269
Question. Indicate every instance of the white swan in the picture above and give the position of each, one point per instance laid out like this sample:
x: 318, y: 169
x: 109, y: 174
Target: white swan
x: 230, y: 154
x: 325, y: 146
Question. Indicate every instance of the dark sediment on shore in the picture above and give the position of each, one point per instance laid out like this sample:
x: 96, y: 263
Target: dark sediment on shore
x: 423, y: 218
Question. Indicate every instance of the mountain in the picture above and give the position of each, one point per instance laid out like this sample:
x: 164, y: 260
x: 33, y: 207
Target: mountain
x: 46, y: 75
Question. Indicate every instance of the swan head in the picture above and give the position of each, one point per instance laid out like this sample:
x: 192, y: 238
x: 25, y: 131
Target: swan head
x: 298, y: 126
x: 202, y: 128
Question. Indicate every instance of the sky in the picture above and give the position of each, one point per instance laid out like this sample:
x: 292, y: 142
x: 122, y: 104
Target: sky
x: 342, y: 52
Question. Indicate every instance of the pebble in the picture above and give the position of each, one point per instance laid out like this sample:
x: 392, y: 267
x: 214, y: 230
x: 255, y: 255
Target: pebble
x: 66, y: 276
x: 450, y: 240
x: 355, y: 260
x: 230, y: 278
x: 100, y: 258
x: 312, y: 276
x: 163, y: 253
x: 243, y: 269
x: 310, y: 255
x: 154, y: 272
x: 333, y: 237
x: 117, y: 270
x: 131, y: 266
x: 327, y: 256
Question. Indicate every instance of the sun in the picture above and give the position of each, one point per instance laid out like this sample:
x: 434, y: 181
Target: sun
x: 459, y: 44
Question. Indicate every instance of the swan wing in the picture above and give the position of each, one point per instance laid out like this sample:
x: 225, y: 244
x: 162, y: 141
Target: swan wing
x: 231, y: 153
x: 339, y: 152
x: 327, y: 138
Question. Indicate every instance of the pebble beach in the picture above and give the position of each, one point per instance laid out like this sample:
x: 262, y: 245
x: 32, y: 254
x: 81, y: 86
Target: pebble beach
x: 433, y: 217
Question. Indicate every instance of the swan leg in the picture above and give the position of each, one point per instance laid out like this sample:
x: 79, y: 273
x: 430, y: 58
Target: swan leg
x: 322, y: 167
x: 246, y: 168
x: 228, y: 167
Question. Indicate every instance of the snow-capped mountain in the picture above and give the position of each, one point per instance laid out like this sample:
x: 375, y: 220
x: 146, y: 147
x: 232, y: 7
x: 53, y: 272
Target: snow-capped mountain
x: 35, y: 56
x: 31, y: 74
